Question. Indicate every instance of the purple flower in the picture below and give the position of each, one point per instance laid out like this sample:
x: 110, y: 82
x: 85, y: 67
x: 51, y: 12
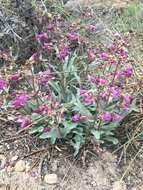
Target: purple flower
x: 104, y: 56
x: 94, y: 79
x: 76, y: 117
x: 72, y: 36
x: 116, y: 92
x: 46, y: 108
x: 119, y: 74
x: 91, y: 54
x: 124, y: 53
x: 41, y: 36
x: 129, y: 72
x: 83, y: 118
x: 103, y: 82
x: 46, y: 129
x: 47, y: 45
x: 43, y: 80
x: 63, y: 52
x: 38, y: 110
x: 113, y: 60
x: 34, y: 174
x: 107, y: 116
x: 15, y: 75
x: 51, y: 26
x: 25, y: 123
x: 113, y: 47
x: 20, y: 100
x: 93, y: 27
x: 116, y: 117
x: 127, y: 99
x: 88, y: 99
x: 45, y: 77
x: 126, y: 108
x: 34, y: 57
x: 3, y: 83
x: 83, y: 91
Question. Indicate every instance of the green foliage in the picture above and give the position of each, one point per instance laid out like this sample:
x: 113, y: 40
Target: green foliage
x: 133, y: 10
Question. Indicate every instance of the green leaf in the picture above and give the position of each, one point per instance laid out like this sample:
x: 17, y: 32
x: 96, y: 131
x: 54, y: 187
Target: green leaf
x: 110, y: 126
x: 76, y: 146
x: 68, y: 127
x: 77, y: 76
x: 113, y: 140
x: 79, y: 107
x: 55, y: 86
x: 102, y: 104
x: 29, y: 106
x: 68, y: 65
x: 53, y: 135
x: 34, y: 130
x: 96, y: 133
x: 78, y: 131
x: 77, y: 143
x: 35, y: 116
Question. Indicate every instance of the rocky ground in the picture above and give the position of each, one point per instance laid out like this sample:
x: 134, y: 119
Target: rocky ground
x: 100, y: 175
x: 58, y: 170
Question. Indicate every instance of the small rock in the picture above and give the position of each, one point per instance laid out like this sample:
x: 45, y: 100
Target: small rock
x: 1, y: 148
x: 27, y: 167
x: 2, y: 161
x: 137, y: 188
x: 93, y: 183
x: 20, y: 166
x: 54, y: 166
x: 51, y: 179
x: 14, y: 158
x: 107, y: 156
x: 141, y: 188
x: 14, y: 187
x: 9, y: 169
x: 3, y: 187
x: 119, y: 185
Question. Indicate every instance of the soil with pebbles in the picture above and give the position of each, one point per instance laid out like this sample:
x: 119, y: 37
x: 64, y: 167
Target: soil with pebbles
x: 91, y: 172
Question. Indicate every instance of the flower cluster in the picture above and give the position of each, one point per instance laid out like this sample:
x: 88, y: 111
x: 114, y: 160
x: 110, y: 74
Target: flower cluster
x: 71, y: 85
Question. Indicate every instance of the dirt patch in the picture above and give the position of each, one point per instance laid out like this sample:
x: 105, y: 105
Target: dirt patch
x: 88, y: 171
x: 98, y: 174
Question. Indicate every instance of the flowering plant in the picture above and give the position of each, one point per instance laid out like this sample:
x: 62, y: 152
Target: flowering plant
x: 69, y: 89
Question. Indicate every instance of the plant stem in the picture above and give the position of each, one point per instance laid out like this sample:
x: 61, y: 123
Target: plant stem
x: 34, y: 88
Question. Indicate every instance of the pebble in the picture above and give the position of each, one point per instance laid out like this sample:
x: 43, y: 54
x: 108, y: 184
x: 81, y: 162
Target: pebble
x: 14, y: 158
x: 93, y: 183
x: 137, y: 188
x: 27, y: 167
x: 119, y: 185
x: 2, y: 161
x: 20, y: 166
x: 9, y: 169
x: 51, y: 179
x: 54, y: 166
x: 106, y: 156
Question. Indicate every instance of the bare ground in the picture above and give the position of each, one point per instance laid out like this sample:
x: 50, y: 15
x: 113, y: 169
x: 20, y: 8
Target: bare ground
x: 97, y: 174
